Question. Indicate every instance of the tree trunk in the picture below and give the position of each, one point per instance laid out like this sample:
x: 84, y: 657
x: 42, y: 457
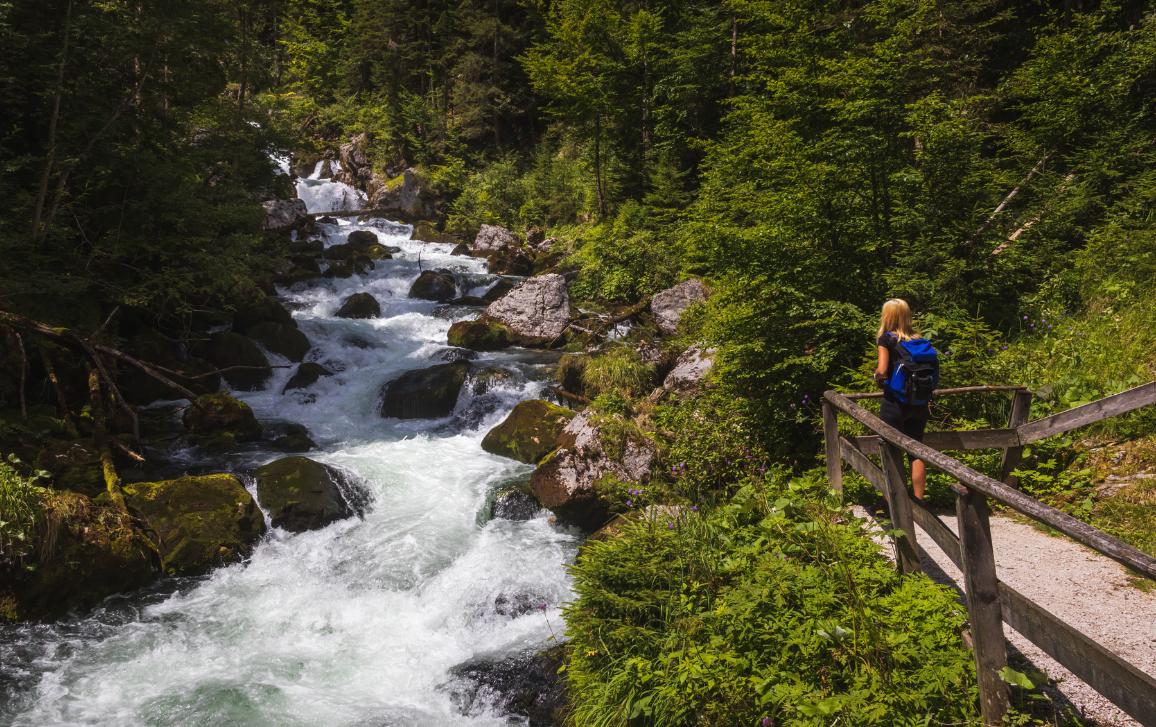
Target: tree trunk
x: 53, y: 126
x: 598, y: 165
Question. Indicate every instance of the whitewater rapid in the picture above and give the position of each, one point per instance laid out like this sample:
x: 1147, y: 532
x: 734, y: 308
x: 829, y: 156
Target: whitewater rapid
x: 356, y: 624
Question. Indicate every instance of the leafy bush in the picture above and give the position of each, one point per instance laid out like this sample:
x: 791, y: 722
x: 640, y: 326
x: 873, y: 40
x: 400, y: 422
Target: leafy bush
x: 20, y: 509
x: 770, y: 610
x: 623, y: 259
x: 618, y: 369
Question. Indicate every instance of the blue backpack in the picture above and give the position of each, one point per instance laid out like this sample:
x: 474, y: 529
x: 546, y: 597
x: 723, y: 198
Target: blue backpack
x: 916, y: 374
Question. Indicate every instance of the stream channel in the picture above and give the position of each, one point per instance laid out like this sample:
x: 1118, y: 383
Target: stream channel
x: 362, y: 622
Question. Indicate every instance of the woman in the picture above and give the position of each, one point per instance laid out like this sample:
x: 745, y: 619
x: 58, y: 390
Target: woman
x: 911, y: 419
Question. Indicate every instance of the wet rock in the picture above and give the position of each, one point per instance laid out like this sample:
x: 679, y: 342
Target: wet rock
x: 199, y: 522
x: 428, y: 393
x: 378, y: 252
x: 361, y: 342
x: 460, y: 249
x: 282, y: 339
x: 455, y: 354
x: 301, y: 494
x: 262, y: 310
x: 327, y: 220
x: 359, y: 305
x: 427, y: 231
x: 482, y: 381
x: 689, y: 370
x: 339, y: 252
x: 406, y: 193
x: 570, y: 373
x: 437, y: 285
x: 529, y: 432
x: 497, y: 290
x: 527, y: 686
x: 471, y: 301
x: 73, y: 465
x: 565, y: 480
x: 362, y: 239
x: 306, y: 375
x: 537, y: 311
x: 96, y: 551
x: 289, y: 437
x: 514, y: 262
x: 515, y: 502
x: 282, y: 215
x: 243, y: 364
x: 221, y: 416
x: 493, y: 238
x: 306, y: 248
x: 669, y: 305
x: 479, y: 335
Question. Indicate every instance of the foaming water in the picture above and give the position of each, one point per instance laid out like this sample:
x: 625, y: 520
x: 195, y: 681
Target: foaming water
x: 355, y: 624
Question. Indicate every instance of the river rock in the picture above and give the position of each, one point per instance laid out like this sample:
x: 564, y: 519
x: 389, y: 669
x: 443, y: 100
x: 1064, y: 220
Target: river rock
x: 514, y: 502
x: 437, y: 285
x: 339, y: 252
x: 289, y: 437
x: 426, y: 231
x: 362, y: 239
x: 689, y: 370
x: 482, y: 381
x: 306, y: 375
x: 429, y: 393
x: 281, y: 339
x: 497, y: 290
x: 216, y: 416
x: 565, y: 481
x: 199, y: 522
x: 479, y: 335
x: 355, y: 168
x: 451, y: 355
x: 96, y: 551
x: 282, y: 215
x: 529, y: 432
x: 493, y: 238
x: 460, y: 249
x: 537, y: 310
x: 228, y: 350
x: 301, y: 494
x: 528, y: 686
x: 669, y: 305
x: 359, y: 305
x: 262, y: 310
x: 73, y: 465
x: 378, y: 252
x: 406, y: 193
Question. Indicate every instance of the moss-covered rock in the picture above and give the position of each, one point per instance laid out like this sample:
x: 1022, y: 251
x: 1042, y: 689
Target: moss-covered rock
x: 306, y: 375
x: 528, y: 434
x: 262, y: 310
x: 378, y: 252
x: 215, y: 415
x: 301, y: 494
x: 73, y: 465
x: 362, y: 239
x: 436, y: 285
x: 247, y: 367
x: 427, y: 231
x: 571, y: 372
x: 427, y: 393
x: 282, y: 339
x: 289, y: 437
x: 199, y: 522
x: 479, y: 335
x: 514, y: 502
x: 359, y: 305
x: 87, y: 553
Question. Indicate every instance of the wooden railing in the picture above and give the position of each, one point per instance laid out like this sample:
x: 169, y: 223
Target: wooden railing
x: 991, y: 602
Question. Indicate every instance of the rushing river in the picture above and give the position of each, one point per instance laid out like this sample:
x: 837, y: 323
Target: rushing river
x: 356, y: 624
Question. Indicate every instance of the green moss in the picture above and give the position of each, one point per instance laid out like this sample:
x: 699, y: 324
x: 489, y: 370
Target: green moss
x: 220, y: 416
x: 479, y: 335
x: 528, y: 434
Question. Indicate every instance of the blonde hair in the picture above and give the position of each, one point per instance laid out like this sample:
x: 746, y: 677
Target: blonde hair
x: 896, y: 319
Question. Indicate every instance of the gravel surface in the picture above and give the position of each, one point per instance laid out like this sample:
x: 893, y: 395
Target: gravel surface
x: 1078, y: 585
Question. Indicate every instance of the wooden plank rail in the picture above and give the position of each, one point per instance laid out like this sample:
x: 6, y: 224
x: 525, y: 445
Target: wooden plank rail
x: 990, y: 602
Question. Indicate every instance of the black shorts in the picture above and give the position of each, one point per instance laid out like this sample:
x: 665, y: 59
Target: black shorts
x: 911, y: 420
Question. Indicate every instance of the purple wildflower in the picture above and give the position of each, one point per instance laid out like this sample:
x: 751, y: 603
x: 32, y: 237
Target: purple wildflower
x: 630, y: 503
x: 694, y: 508
x: 669, y: 525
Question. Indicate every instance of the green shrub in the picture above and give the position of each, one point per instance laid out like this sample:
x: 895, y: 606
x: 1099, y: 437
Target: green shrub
x: 768, y: 608
x: 21, y: 500
x: 618, y: 369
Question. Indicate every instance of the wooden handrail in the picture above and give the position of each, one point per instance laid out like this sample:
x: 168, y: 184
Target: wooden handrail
x: 1013, y: 498
x: 941, y: 392
x: 1095, y: 411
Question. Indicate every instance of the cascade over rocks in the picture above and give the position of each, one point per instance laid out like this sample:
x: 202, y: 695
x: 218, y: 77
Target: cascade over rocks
x: 199, y: 522
x: 436, y: 285
x: 282, y: 215
x: 306, y: 375
x: 359, y: 305
x: 429, y: 393
x: 479, y: 335
x: 537, y: 310
x: 301, y: 494
x: 97, y: 551
x: 228, y: 350
x: 669, y: 305
x: 565, y: 481
x: 529, y: 432
x: 281, y: 339
x: 220, y: 416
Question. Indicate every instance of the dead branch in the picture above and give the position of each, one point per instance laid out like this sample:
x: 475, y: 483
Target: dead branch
x: 61, y: 399
x: 569, y: 395
x: 101, y: 439
x: 1010, y: 196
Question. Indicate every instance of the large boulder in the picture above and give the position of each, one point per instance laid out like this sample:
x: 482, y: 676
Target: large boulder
x: 94, y: 551
x: 427, y: 231
x: 355, y: 169
x: 302, y: 494
x: 262, y: 310
x: 689, y: 370
x: 537, y: 310
x: 514, y: 502
x: 199, y: 522
x: 282, y: 339
x: 244, y: 365
x: 529, y: 432
x: 428, y: 393
x: 306, y: 375
x: 222, y: 418
x: 565, y: 482
x: 529, y: 686
x: 479, y: 335
x: 669, y: 305
x: 492, y: 238
x: 437, y: 285
x: 359, y: 305
x: 406, y: 194
x: 362, y: 239
x: 282, y: 215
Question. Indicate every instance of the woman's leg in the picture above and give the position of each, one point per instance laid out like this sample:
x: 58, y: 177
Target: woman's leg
x: 918, y: 478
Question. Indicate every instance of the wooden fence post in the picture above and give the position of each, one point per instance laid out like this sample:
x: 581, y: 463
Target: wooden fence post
x: 834, y: 450
x: 983, y: 605
x: 895, y: 478
x: 1020, y: 408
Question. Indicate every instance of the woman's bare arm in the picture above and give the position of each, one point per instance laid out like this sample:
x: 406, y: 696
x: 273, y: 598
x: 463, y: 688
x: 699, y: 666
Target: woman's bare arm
x: 884, y: 360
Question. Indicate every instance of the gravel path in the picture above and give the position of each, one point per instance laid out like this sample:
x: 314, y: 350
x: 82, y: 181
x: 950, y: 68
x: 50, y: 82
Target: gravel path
x: 1080, y: 586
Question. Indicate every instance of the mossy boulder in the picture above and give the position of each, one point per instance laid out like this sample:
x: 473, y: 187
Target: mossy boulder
x: 73, y: 465
x: 339, y: 252
x: 220, y: 415
x: 428, y: 393
x: 302, y: 494
x: 362, y: 239
x: 262, y: 310
x: 306, y: 375
x: 436, y: 285
x: 95, y: 551
x: 199, y: 522
x: 281, y: 339
x: 529, y: 432
x: 427, y: 231
x: 289, y: 437
x: 378, y: 252
x: 479, y: 335
x: 359, y: 305
x: 570, y: 372
x: 248, y: 369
